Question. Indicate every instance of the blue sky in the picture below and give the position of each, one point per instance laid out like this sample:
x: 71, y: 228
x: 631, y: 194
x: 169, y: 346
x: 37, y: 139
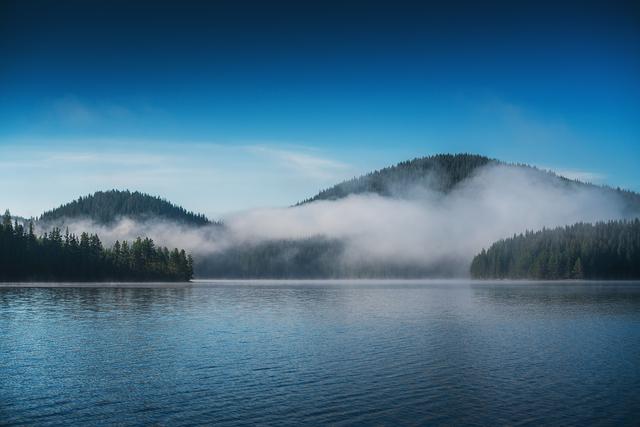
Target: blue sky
x: 232, y: 105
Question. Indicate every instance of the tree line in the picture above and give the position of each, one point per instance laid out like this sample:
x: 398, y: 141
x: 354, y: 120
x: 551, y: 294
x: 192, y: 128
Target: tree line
x: 604, y: 250
x: 312, y: 258
x: 440, y: 172
x: 104, y: 207
x: 57, y: 256
x: 443, y: 172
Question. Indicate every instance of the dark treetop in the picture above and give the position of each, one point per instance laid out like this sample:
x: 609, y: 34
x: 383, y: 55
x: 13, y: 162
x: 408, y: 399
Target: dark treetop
x: 442, y: 173
x: 319, y: 257
x: 105, y: 207
x: 57, y: 257
x: 312, y: 258
x: 605, y: 250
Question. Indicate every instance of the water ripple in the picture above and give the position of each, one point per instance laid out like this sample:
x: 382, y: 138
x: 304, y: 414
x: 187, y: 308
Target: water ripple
x: 337, y: 353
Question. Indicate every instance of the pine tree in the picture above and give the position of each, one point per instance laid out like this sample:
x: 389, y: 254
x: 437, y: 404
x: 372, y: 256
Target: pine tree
x: 605, y: 250
x: 576, y: 271
x: 54, y: 256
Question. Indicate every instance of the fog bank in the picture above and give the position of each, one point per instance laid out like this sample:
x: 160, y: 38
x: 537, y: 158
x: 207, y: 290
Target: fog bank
x: 428, y: 226
x: 419, y: 226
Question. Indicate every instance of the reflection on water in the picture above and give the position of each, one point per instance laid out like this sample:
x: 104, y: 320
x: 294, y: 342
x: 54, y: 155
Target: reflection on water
x: 321, y: 352
x: 565, y: 296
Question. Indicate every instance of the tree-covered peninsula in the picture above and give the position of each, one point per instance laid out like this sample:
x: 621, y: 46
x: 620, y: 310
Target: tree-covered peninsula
x: 55, y: 256
x: 605, y: 250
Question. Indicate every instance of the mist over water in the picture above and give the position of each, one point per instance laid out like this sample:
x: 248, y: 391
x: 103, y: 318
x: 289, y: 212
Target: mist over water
x: 415, y: 225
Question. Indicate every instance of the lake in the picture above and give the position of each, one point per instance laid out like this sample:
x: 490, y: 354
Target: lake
x: 314, y: 352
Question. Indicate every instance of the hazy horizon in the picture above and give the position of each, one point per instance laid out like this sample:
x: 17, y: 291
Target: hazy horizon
x: 580, y: 176
x: 440, y: 288
x: 227, y: 106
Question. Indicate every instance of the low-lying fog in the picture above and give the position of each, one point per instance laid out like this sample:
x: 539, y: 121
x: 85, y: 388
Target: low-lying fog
x: 416, y: 226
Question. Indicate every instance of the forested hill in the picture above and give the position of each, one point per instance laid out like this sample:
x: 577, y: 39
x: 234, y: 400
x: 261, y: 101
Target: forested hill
x: 605, y: 250
x: 440, y: 172
x: 104, y: 207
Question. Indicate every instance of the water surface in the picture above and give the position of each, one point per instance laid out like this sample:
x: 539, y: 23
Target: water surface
x: 344, y: 353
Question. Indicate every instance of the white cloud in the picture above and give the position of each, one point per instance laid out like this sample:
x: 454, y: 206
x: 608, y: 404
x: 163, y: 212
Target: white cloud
x: 495, y: 203
x: 116, y: 158
x: 306, y: 163
x: 70, y: 110
x: 522, y: 126
x: 424, y: 229
x: 211, y: 178
x: 73, y: 111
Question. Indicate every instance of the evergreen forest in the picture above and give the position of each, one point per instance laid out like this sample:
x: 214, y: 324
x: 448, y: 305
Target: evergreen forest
x: 604, y: 250
x: 55, y: 256
x: 105, y: 207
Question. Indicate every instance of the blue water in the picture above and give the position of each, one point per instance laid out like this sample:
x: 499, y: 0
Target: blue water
x: 315, y: 353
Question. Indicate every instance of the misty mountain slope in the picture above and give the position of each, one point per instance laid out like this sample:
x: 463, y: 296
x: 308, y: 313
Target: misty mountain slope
x: 424, y: 218
x: 105, y: 207
x: 313, y: 258
x: 441, y: 173
x: 308, y: 258
x: 419, y: 233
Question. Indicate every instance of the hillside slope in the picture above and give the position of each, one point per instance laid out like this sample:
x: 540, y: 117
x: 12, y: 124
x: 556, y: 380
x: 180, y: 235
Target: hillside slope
x: 104, y: 207
x: 407, y: 233
x: 442, y: 173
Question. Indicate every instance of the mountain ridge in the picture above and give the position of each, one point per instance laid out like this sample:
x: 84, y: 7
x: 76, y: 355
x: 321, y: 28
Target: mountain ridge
x: 448, y: 169
x: 105, y: 207
x: 440, y: 172
x: 443, y: 172
x: 322, y: 256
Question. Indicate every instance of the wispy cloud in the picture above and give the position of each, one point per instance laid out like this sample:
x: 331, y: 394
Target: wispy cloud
x: 212, y: 178
x: 581, y: 175
x: 71, y: 110
x: 521, y: 125
x: 116, y: 158
x: 307, y: 162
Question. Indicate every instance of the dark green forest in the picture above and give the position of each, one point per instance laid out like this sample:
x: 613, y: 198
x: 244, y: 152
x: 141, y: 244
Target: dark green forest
x: 605, y: 250
x: 315, y: 257
x: 104, y: 207
x: 276, y: 259
x: 55, y: 256
x: 311, y: 258
x: 440, y: 172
